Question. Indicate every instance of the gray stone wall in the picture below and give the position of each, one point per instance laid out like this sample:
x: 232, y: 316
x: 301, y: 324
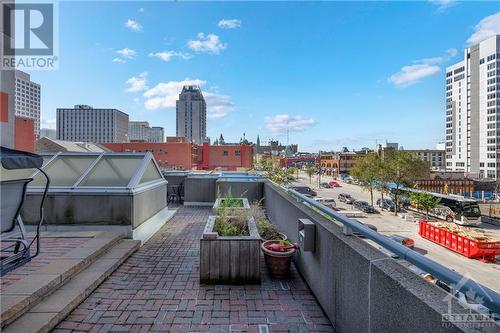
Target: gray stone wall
x: 360, y: 288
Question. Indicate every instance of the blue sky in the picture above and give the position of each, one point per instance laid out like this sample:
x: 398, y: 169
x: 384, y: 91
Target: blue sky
x: 334, y: 74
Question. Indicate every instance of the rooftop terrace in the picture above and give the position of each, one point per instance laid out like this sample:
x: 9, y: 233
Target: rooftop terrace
x: 100, y: 282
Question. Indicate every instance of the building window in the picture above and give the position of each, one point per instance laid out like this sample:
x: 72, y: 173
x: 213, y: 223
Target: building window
x: 237, y: 153
x: 225, y: 153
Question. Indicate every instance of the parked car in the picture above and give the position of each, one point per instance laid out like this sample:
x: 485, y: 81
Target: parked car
x: 334, y: 184
x: 364, y: 206
x: 306, y: 190
x: 386, y: 204
x: 346, y: 198
x: 406, y: 241
x: 328, y: 202
x: 325, y: 185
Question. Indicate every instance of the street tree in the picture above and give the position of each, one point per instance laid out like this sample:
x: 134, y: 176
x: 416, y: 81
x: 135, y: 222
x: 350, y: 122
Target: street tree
x: 310, y: 170
x: 424, y: 201
x: 403, y: 169
x: 367, y: 170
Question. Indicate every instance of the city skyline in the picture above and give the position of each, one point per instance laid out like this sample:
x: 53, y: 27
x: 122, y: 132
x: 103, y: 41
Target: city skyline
x: 320, y: 78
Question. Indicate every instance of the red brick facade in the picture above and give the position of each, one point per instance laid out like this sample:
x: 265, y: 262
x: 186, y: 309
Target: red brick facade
x: 226, y: 157
x: 178, y: 153
x: 168, y: 155
x: 24, y: 134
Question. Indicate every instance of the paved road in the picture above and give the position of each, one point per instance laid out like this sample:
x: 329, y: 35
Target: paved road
x: 487, y: 274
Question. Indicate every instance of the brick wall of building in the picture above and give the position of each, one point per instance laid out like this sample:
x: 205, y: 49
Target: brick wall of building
x: 24, y: 134
x: 226, y: 157
x: 178, y: 155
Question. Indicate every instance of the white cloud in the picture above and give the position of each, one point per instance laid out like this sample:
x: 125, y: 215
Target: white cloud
x: 218, y: 105
x: 120, y: 60
x: 165, y: 94
x: 127, y: 53
x: 141, y: 10
x: 420, y: 69
x: 450, y: 54
x: 210, y: 43
x: 443, y: 5
x: 137, y: 83
x: 133, y: 25
x: 412, y: 74
x: 486, y: 28
x: 168, y: 55
x: 229, y: 24
x: 282, y: 122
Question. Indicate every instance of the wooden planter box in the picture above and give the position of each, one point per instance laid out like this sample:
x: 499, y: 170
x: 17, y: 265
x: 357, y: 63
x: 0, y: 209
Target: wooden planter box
x: 232, y: 260
x: 232, y: 210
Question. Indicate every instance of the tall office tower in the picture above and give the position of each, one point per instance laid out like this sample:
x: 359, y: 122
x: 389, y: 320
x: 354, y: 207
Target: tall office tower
x: 156, y: 134
x: 473, y: 109
x: 138, y: 131
x: 27, y: 102
x: 84, y: 123
x: 192, y: 114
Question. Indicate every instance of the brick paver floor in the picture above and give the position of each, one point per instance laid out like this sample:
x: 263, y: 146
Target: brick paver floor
x: 157, y: 289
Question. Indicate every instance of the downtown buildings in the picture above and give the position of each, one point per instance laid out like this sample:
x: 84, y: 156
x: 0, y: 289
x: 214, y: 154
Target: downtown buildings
x: 139, y: 131
x: 86, y: 124
x: 191, y: 115
x: 473, y: 111
x: 27, y: 99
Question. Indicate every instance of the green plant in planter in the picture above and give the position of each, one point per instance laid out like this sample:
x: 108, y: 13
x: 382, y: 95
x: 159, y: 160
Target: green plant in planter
x: 231, y: 203
x: 267, y: 230
x: 235, y: 225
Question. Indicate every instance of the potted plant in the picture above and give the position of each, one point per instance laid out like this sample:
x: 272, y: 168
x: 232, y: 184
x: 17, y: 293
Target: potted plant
x: 268, y: 231
x: 278, y: 256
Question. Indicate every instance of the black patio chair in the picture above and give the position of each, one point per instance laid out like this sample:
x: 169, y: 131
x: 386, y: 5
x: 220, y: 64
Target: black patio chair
x: 15, y: 250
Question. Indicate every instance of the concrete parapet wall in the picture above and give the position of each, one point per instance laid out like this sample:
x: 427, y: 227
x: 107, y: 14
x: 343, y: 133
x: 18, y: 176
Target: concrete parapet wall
x: 360, y: 288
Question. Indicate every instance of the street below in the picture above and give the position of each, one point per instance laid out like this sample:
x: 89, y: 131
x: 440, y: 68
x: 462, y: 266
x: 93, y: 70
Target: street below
x: 388, y: 224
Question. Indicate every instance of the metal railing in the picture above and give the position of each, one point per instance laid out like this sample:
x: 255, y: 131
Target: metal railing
x: 491, y: 299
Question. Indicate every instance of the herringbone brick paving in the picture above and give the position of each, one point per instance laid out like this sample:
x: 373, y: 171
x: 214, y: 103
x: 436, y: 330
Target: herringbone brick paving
x: 157, y: 289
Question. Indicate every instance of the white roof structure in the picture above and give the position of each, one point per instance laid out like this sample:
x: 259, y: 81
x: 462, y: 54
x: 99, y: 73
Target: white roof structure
x: 95, y: 172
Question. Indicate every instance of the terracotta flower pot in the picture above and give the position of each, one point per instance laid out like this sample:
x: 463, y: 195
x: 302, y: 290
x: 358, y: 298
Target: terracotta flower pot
x: 278, y: 263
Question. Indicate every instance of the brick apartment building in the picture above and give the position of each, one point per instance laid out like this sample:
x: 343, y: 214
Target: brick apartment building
x: 226, y: 157
x: 178, y: 153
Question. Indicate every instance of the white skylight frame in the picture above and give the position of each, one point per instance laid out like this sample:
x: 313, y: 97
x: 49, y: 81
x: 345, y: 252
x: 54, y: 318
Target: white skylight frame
x: 132, y: 186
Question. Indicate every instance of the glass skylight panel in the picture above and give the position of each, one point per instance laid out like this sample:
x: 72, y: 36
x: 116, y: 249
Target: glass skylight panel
x: 64, y: 170
x: 112, y: 171
x: 151, y: 173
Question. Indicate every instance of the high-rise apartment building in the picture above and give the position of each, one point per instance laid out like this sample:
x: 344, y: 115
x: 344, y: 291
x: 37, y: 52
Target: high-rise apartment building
x: 156, y: 134
x: 86, y: 124
x: 473, y: 109
x: 192, y: 114
x: 27, y: 99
